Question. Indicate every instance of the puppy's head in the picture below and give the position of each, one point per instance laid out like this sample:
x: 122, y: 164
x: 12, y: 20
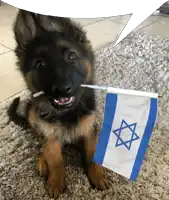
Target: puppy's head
x: 54, y: 56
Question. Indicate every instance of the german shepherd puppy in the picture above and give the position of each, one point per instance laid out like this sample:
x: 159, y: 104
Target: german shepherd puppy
x: 55, y: 56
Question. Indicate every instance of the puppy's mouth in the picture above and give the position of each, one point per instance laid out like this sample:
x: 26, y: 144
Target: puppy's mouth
x: 58, y: 102
x: 64, y: 101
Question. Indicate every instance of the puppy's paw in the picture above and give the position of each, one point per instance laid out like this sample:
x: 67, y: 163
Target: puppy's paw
x: 97, y: 177
x: 42, y: 166
x: 56, y: 184
x: 56, y: 177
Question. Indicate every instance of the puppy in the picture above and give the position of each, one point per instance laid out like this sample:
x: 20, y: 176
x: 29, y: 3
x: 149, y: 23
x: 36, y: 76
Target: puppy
x: 55, y: 56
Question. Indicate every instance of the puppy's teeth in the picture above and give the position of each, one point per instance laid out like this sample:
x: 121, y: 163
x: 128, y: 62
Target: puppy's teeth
x: 56, y: 101
x: 64, y: 101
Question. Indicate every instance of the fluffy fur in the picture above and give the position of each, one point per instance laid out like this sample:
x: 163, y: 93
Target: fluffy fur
x: 55, y: 56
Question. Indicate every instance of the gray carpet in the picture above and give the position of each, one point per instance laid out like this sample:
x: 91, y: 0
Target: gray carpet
x: 139, y: 62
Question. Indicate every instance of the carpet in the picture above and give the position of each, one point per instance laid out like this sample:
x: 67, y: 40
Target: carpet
x: 138, y: 62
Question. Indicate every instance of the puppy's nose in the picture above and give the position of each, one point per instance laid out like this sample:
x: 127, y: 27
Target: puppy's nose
x: 65, y: 89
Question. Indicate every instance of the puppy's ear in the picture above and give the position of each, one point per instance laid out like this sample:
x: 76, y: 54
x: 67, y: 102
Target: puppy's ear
x: 25, y: 27
x: 50, y: 23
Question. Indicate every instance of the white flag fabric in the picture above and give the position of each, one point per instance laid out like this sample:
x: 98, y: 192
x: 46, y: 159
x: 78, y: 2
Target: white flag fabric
x: 125, y: 134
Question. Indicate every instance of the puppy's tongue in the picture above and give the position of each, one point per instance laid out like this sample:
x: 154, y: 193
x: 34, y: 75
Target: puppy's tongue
x: 63, y: 100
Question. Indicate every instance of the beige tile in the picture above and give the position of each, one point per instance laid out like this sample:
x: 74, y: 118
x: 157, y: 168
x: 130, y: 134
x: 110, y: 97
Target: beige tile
x: 7, y: 63
x: 8, y: 14
x: 153, y: 18
x: 160, y: 28
x: 9, y: 85
x: 122, y: 19
x: 7, y: 37
x: 11, y: 81
x: 3, y: 49
x: 149, y: 21
x: 87, y: 21
x: 103, y: 32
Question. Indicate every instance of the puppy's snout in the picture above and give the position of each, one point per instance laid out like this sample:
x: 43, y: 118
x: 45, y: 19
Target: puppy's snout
x: 65, y: 89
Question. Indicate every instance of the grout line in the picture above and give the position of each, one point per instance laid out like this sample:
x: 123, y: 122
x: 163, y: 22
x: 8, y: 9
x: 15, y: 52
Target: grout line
x: 78, y: 22
x: 95, y: 22
x: 118, y: 21
x: 7, y: 47
x: 15, y: 94
x: 155, y: 21
x: 105, y: 45
x: 5, y: 52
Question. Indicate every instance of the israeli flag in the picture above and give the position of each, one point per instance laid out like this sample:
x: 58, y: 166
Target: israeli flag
x: 129, y: 119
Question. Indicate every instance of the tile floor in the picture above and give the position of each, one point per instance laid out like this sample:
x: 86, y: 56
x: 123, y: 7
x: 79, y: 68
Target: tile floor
x: 100, y: 31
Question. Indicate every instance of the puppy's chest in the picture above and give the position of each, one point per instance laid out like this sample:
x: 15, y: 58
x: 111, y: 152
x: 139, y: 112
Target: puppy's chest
x: 83, y: 128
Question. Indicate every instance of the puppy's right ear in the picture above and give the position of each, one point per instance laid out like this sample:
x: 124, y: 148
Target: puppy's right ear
x: 25, y: 27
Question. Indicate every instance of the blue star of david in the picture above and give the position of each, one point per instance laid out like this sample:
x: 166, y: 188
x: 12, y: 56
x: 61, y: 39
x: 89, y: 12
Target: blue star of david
x: 131, y: 128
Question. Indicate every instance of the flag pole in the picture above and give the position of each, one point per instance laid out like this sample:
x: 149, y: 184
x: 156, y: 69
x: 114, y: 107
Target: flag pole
x: 114, y: 90
x: 123, y: 91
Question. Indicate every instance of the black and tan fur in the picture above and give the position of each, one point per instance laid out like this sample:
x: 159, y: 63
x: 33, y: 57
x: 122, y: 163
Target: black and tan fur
x: 45, y: 37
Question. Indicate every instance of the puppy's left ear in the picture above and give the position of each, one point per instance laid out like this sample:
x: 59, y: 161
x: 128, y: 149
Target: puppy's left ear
x: 25, y: 27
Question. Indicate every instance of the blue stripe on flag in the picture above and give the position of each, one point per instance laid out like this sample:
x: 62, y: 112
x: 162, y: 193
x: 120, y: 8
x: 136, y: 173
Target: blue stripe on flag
x: 110, y: 107
x: 145, y: 139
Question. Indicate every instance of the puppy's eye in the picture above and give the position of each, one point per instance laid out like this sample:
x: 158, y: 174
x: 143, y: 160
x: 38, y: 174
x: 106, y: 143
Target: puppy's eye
x: 40, y: 64
x: 70, y: 56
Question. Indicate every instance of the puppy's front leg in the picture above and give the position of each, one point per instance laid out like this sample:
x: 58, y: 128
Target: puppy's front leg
x: 95, y: 172
x: 52, y: 159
